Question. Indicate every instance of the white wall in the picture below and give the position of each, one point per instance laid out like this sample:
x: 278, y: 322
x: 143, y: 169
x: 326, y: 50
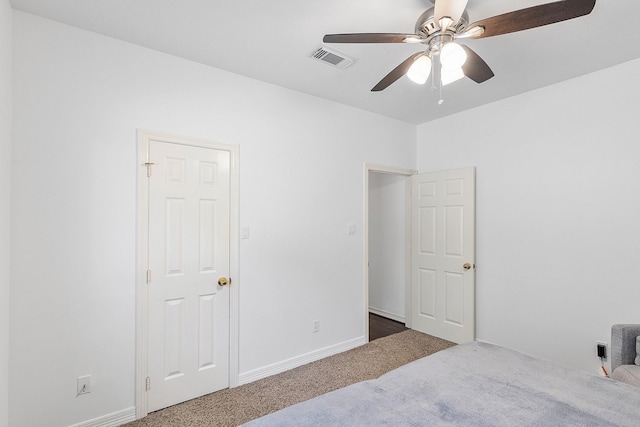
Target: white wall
x: 78, y: 100
x: 5, y: 199
x: 558, y: 196
x: 387, y: 244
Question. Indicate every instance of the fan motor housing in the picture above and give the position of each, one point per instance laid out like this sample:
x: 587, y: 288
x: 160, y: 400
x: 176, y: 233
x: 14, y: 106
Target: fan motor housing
x: 426, y: 24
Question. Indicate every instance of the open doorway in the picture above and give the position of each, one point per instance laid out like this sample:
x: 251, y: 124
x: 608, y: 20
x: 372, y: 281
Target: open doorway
x: 387, y: 269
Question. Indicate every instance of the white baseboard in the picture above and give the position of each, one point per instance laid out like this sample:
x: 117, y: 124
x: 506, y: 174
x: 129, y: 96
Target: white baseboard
x: 386, y: 314
x: 294, y: 362
x: 110, y: 420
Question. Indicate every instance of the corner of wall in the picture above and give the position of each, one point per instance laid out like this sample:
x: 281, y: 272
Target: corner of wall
x: 6, y: 54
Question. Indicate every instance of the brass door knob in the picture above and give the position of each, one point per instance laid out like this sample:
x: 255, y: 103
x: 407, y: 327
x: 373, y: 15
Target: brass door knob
x: 223, y: 281
x: 466, y: 266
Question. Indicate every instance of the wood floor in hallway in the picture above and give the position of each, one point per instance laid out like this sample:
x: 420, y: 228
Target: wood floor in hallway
x: 381, y: 327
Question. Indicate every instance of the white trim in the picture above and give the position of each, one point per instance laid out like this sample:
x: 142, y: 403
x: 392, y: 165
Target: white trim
x: 234, y: 267
x: 368, y: 168
x: 142, y: 310
x: 388, y: 315
x: 303, y: 359
x: 110, y: 420
x: 407, y: 251
x: 392, y: 170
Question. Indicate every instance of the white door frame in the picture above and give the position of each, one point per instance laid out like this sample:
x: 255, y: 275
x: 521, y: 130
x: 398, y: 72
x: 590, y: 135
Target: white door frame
x: 368, y: 169
x: 142, y: 239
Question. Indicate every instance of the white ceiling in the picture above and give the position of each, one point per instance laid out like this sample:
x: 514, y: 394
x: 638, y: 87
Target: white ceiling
x: 272, y: 40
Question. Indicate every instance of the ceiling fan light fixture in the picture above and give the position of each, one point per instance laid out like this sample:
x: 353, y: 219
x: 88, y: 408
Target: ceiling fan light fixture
x: 420, y: 70
x: 447, y: 21
x: 452, y: 56
x: 450, y: 75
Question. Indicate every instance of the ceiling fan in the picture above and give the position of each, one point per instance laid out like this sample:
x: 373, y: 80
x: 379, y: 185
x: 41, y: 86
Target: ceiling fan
x: 442, y: 25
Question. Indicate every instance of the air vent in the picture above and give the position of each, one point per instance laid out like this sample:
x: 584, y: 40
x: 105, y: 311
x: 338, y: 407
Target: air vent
x: 332, y: 57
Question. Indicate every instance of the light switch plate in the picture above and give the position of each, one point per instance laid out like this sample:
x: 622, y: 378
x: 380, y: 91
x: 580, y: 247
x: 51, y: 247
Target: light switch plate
x: 84, y: 385
x: 351, y: 229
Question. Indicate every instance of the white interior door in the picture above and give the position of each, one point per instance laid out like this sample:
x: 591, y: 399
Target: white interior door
x: 443, y: 254
x: 188, y: 324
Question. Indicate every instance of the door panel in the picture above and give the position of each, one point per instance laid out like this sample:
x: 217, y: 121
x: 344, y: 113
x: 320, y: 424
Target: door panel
x: 427, y: 293
x: 188, y: 326
x: 443, y: 220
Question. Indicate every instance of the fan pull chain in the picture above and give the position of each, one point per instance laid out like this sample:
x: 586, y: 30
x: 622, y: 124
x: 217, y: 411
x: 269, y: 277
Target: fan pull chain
x: 433, y: 79
x: 440, y: 100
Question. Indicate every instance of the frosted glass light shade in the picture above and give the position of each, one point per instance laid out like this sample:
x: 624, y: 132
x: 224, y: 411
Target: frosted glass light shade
x: 420, y: 70
x: 450, y: 75
x: 452, y: 55
x: 452, y: 9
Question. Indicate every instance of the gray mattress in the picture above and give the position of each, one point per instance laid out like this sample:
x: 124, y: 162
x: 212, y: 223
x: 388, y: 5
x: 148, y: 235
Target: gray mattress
x: 473, y: 384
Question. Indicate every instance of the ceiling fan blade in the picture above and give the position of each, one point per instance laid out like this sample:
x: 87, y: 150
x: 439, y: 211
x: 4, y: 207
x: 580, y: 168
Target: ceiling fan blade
x: 532, y: 17
x: 396, y: 73
x: 368, y: 38
x: 449, y: 8
x: 475, y: 68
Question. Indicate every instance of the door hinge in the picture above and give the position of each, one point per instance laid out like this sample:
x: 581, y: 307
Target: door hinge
x: 148, y: 165
x: 148, y: 276
x: 148, y: 386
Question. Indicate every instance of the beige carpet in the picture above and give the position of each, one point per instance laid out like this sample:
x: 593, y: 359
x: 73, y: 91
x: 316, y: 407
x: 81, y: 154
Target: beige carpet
x: 239, y: 405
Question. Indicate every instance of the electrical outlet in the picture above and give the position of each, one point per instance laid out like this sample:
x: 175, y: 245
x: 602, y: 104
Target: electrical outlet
x: 316, y: 326
x: 84, y: 385
x: 601, y: 350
